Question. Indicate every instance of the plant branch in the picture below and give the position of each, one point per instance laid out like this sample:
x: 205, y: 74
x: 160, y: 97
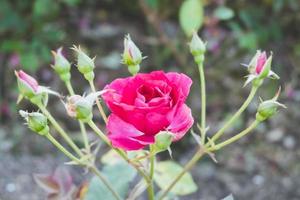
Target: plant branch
x: 60, y: 130
x: 218, y: 134
x: 101, y: 110
x: 81, y: 124
x: 203, y: 102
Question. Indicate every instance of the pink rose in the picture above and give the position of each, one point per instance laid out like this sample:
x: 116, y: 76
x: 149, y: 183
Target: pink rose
x: 145, y: 104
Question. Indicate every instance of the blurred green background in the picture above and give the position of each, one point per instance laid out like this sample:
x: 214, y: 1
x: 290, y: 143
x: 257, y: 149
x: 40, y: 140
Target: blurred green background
x: 265, y: 165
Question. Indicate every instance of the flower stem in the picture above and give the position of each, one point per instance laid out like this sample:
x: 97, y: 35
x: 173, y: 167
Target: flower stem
x: 105, y: 181
x: 236, y: 115
x: 202, y: 151
x: 81, y: 124
x: 235, y: 138
x: 186, y: 168
x: 60, y: 130
x: 92, y: 167
x: 119, y: 151
x: 98, y: 103
x: 62, y: 149
x: 150, y: 187
x: 203, y: 102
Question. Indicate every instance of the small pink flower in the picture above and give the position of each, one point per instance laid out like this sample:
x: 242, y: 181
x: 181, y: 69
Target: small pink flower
x: 145, y: 104
x: 27, y: 79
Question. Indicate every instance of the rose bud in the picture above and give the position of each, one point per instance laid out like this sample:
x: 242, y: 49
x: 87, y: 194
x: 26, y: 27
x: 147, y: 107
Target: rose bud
x: 163, y: 140
x: 197, y: 48
x: 132, y: 56
x: 36, y: 121
x: 61, y: 65
x: 259, y: 68
x: 85, y: 64
x: 30, y: 88
x: 80, y: 107
x: 268, y: 108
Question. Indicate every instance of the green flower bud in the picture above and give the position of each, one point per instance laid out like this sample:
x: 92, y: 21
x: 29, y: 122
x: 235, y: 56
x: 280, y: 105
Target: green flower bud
x: 197, y: 47
x: 61, y: 65
x: 80, y: 107
x: 132, y: 56
x: 268, y: 108
x: 36, y: 121
x: 163, y: 140
x: 85, y: 64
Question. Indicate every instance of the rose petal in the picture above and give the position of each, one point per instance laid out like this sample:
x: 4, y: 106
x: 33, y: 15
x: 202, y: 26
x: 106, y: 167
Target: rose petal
x: 124, y: 135
x: 181, y: 122
x: 182, y: 82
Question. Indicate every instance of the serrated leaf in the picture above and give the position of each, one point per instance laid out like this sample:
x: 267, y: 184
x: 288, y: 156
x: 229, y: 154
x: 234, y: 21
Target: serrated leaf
x: 223, y: 13
x: 166, y: 171
x: 191, y: 16
x: 119, y: 175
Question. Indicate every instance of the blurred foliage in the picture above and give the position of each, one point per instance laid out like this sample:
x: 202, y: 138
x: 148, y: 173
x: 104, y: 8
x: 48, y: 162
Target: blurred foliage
x: 29, y: 28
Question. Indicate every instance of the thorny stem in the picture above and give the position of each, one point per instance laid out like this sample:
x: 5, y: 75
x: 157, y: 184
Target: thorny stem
x: 150, y: 187
x: 120, y: 152
x: 77, y: 161
x: 236, y: 115
x: 98, y: 103
x: 60, y: 130
x: 81, y: 124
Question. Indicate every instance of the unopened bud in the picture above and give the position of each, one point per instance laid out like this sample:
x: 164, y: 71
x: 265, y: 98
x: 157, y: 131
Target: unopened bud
x: 268, y: 108
x: 163, y: 140
x: 27, y: 85
x: 36, y: 121
x: 132, y: 56
x: 61, y: 65
x: 80, y: 107
x: 85, y: 64
x: 197, y: 48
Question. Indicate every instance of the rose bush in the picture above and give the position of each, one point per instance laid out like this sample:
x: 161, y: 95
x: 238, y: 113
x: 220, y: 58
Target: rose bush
x: 145, y: 104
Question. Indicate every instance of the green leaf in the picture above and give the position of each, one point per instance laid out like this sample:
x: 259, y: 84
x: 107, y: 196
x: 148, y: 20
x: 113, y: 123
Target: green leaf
x: 223, y: 13
x: 166, y: 171
x: 191, y: 16
x: 119, y: 175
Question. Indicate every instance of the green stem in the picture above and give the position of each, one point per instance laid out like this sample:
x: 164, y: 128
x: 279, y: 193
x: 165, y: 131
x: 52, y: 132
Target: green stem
x: 60, y: 130
x: 203, y: 102
x: 105, y: 181
x: 81, y: 124
x: 99, y: 132
x: 186, y: 168
x: 119, y: 151
x: 236, y: 115
x: 151, y: 174
x: 235, y: 138
x: 101, y: 110
x: 92, y: 168
x: 62, y: 149
x: 84, y: 136
x: 69, y: 87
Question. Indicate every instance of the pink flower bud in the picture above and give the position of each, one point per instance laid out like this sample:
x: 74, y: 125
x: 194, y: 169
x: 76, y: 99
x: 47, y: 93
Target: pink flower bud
x: 27, y: 80
x: 261, y: 60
